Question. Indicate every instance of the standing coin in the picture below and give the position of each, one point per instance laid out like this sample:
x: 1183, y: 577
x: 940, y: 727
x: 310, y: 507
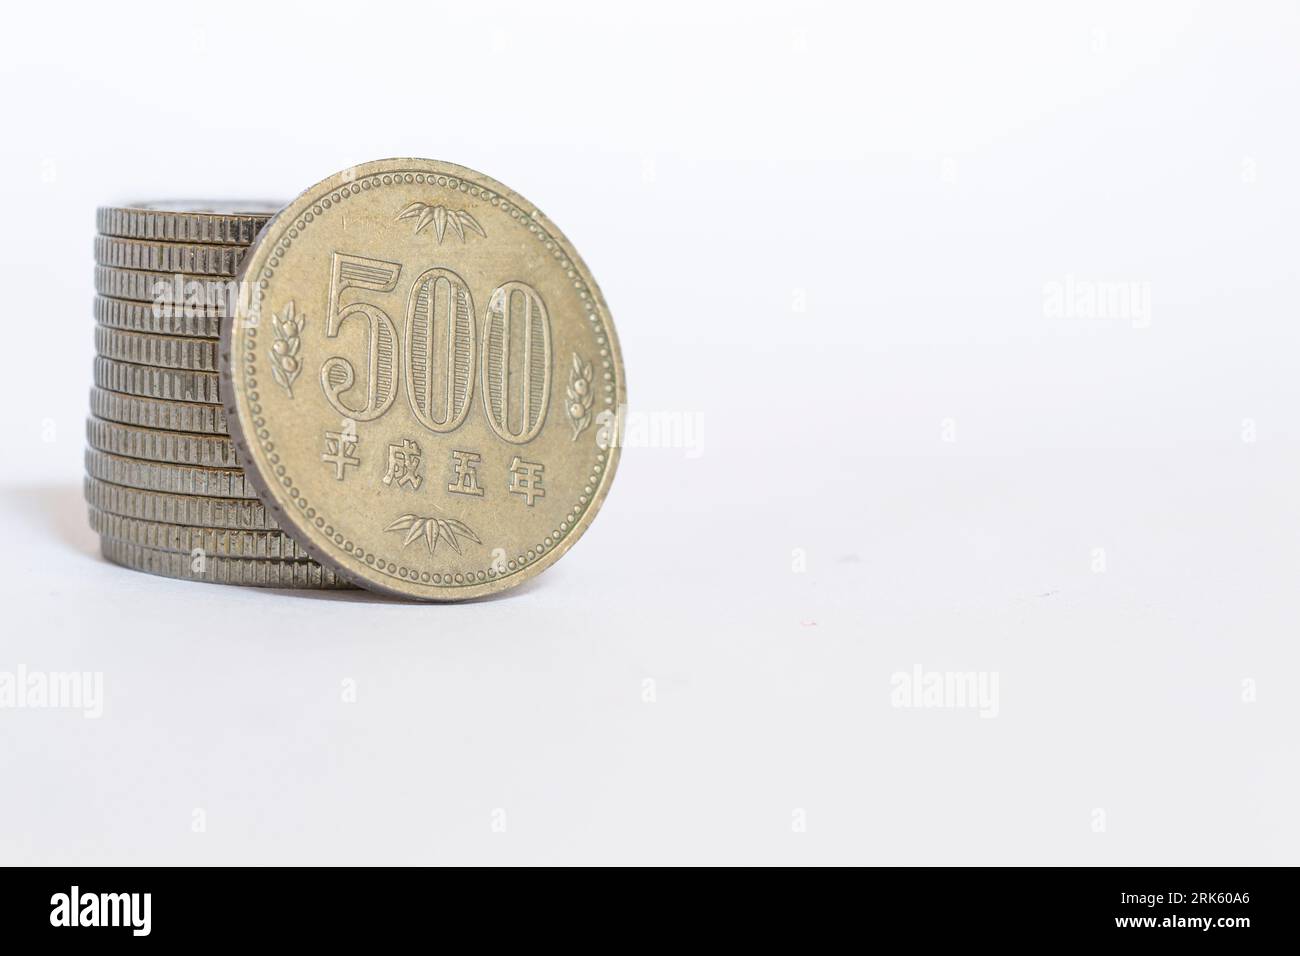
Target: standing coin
x: 425, y: 387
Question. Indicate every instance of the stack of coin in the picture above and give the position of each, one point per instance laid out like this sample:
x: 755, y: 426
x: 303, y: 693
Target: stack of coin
x: 164, y: 489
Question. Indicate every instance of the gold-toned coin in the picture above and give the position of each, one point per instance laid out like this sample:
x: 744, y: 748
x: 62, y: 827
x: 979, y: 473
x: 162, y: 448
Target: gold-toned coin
x: 199, y: 220
x: 145, y: 317
x: 158, y: 413
x: 425, y: 389
x: 196, y: 510
x: 173, y: 479
x: 221, y: 542
x: 177, y: 292
x: 166, y: 351
x: 194, y: 258
x: 216, y: 570
x: 151, y: 444
x: 173, y: 384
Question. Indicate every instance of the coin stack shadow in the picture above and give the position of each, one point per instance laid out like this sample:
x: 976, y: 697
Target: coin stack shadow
x: 164, y: 490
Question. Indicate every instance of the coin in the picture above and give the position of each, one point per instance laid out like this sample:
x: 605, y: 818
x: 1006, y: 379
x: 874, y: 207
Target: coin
x: 221, y: 542
x: 145, y: 317
x: 245, y: 571
x: 151, y: 444
x: 424, y: 390
x: 198, y: 510
x: 167, y: 351
x: 200, y: 220
x: 174, y: 384
x: 176, y: 292
x: 158, y: 413
x: 196, y: 258
x: 173, y: 479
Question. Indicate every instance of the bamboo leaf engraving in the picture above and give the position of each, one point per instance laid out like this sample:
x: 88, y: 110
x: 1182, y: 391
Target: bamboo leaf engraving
x: 433, y: 529
x: 440, y: 217
x: 402, y: 523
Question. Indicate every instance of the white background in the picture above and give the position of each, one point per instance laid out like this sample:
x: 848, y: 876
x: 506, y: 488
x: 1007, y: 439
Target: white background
x: 828, y: 233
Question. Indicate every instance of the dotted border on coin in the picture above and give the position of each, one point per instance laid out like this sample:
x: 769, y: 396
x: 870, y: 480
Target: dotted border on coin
x: 249, y: 376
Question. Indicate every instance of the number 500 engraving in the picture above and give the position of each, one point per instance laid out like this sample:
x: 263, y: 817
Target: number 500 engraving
x: 438, y: 349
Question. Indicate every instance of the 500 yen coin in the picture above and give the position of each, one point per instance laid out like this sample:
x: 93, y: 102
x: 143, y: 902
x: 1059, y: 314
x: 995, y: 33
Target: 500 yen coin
x: 424, y: 387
